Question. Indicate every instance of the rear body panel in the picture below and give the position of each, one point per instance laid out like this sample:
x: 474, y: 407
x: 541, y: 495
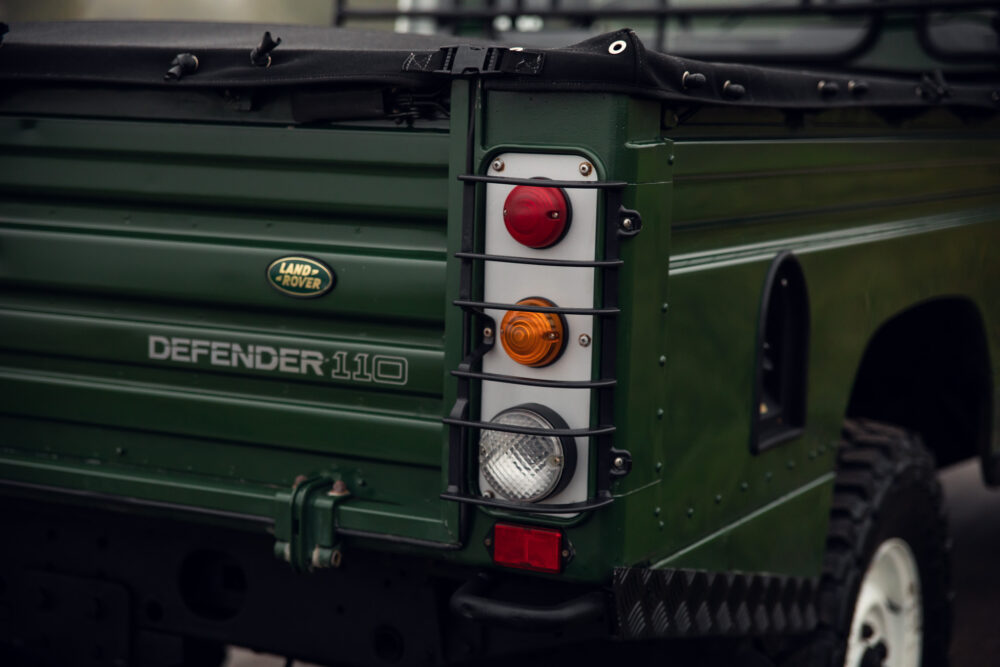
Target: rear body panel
x: 119, y: 233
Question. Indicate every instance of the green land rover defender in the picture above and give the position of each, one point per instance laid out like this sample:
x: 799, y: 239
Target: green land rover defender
x: 369, y: 347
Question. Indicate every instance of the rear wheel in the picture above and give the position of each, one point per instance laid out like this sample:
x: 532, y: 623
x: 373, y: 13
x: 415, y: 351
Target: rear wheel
x: 887, y: 625
x: 884, y: 598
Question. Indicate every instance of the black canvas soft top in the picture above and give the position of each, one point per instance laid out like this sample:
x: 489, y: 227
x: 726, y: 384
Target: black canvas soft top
x: 123, y: 54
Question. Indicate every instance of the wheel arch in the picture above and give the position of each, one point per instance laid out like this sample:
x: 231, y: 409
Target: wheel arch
x: 927, y: 368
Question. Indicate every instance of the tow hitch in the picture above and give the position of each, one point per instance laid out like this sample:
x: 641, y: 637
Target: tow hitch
x: 305, y: 534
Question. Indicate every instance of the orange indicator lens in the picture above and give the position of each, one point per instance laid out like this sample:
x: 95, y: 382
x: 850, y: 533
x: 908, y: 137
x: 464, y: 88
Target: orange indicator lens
x: 533, y: 339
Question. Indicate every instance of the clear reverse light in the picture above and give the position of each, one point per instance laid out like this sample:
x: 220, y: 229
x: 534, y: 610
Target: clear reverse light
x: 521, y: 467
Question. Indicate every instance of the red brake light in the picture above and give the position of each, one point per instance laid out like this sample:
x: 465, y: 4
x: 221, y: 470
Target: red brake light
x: 536, y: 217
x: 538, y: 549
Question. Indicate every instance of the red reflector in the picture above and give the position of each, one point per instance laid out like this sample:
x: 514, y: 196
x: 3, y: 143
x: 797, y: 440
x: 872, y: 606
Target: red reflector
x: 538, y: 549
x: 536, y: 217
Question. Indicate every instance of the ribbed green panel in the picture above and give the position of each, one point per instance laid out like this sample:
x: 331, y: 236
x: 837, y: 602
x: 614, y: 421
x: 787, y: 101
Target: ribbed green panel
x: 358, y: 172
x: 113, y: 232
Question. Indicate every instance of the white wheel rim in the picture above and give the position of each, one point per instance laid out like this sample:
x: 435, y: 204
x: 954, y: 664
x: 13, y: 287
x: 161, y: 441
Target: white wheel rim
x: 888, y: 609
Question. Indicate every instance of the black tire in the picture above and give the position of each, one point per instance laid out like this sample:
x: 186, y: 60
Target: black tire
x: 885, y: 487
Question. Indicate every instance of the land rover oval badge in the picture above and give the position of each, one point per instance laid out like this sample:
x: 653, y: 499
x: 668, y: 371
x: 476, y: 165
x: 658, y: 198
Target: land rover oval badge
x: 301, y: 277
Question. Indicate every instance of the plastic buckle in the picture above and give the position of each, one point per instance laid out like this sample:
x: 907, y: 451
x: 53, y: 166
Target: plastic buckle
x: 465, y: 60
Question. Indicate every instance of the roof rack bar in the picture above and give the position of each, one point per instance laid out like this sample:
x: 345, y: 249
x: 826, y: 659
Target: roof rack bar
x: 848, y: 9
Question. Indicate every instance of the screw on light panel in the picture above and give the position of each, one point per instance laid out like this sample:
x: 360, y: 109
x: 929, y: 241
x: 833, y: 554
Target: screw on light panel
x: 586, y: 168
x: 584, y: 340
x: 498, y: 165
x: 487, y: 332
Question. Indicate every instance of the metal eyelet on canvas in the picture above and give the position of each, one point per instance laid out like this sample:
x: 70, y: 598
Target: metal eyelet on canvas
x: 617, y: 46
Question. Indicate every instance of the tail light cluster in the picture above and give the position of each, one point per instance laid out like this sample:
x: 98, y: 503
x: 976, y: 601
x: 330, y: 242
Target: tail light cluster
x: 547, y: 234
x: 534, y: 402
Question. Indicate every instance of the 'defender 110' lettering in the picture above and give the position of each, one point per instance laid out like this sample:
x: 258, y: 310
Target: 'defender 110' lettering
x: 341, y: 365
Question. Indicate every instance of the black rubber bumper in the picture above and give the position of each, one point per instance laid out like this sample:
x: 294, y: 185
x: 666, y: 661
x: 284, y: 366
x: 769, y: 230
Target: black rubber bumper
x: 647, y: 604
x: 472, y: 601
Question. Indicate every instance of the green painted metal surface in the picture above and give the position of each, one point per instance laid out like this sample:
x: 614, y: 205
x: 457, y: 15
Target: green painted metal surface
x: 114, y: 231
x: 879, y: 225
x: 145, y: 355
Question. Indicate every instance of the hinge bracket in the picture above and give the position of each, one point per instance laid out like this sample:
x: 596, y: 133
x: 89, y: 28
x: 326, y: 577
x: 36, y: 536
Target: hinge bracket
x: 305, y: 535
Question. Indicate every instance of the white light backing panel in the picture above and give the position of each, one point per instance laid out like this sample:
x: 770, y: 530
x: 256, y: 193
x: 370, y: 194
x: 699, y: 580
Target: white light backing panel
x: 564, y: 286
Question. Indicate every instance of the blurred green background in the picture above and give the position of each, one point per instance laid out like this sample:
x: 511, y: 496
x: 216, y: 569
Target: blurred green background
x: 317, y: 12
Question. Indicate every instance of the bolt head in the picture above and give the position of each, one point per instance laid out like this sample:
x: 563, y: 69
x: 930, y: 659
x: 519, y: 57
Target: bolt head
x: 619, y: 462
x: 339, y: 489
x: 487, y: 332
x: 627, y: 224
x: 584, y: 340
x: 498, y: 165
x: 565, y: 553
x: 586, y: 168
x: 487, y: 494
